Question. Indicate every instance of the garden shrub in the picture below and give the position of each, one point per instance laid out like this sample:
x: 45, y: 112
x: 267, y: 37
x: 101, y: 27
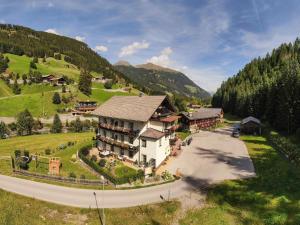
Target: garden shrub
x: 102, y: 162
x: 94, y: 158
x: 47, y: 151
x: 72, y: 175
x: 17, y: 153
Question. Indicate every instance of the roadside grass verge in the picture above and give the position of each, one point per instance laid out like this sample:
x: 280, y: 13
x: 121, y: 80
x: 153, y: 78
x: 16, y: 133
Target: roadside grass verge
x: 273, y: 197
x: 19, y: 210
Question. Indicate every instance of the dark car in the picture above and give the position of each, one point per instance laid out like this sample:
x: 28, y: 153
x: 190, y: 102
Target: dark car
x: 236, y: 133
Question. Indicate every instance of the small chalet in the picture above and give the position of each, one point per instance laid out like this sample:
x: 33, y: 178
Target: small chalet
x: 52, y: 79
x: 86, y: 106
x: 203, y: 118
x: 250, y: 125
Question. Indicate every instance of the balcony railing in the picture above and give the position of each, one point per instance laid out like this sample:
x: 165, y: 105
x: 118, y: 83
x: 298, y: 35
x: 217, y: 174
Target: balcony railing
x: 118, y: 129
x: 172, y: 129
x: 117, y: 143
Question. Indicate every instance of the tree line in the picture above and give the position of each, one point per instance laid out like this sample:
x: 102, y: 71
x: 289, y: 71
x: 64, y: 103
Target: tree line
x: 267, y: 88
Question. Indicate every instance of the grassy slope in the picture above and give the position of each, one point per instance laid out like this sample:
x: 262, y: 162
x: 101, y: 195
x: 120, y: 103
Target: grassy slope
x: 273, y: 197
x: 18, y: 210
x: 20, y: 64
x: 38, y: 144
x: 4, y: 89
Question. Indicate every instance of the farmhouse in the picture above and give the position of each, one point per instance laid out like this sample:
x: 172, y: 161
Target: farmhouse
x: 201, y: 119
x: 52, y: 79
x: 137, y: 128
x: 250, y: 125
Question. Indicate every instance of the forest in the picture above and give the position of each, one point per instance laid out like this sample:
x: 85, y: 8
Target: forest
x: 267, y: 88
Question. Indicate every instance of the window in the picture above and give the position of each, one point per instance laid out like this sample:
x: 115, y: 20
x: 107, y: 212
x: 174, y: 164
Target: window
x: 122, y: 124
x: 131, y: 140
x: 116, y: 123
x: 159, y: 142
x: 111, y: 122
x: 144, y: 159
x: 131, y: 125
x: 104, y: 133
x: 112, y: 148
x: 105, y: 120
x: 122, y: 138
x: 116, y: 137
x: 103, y: 145
x: 122, y: 152
x: 130, y: 154
x: 112, y: 135
x: 144, y: 143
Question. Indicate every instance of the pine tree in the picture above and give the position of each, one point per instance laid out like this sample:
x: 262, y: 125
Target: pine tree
x: 25, y: 123
x: 56, y: 98
x: 15, y: 88
x: 85, y: 82
x: 3, y: 130
x: 57, y: 125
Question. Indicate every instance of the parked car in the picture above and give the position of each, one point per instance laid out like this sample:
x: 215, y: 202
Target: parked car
x: 236, y: 134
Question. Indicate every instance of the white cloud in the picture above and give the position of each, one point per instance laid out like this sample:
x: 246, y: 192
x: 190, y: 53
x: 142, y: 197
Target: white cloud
x: 101, y: 48
x: 50, y: 4
x: 79, y: 38
x: 52, y: 31
x: 133, y: 48
x: 163, y: 59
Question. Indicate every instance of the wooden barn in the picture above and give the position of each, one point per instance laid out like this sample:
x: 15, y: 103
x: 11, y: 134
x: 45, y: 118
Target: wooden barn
x: 250, y: 125
x: 203, y: 118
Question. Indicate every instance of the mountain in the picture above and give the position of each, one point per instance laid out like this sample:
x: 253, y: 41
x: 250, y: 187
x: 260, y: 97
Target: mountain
x: 20, y: 40
x: 157, y: 79
x: 267, y: 88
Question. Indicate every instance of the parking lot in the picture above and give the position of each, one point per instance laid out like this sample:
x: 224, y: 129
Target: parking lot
x: 212, y: 157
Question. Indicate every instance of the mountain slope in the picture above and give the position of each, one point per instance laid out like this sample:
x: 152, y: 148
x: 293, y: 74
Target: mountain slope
x: 267, y: 88
x: 20, y: 41
x: 161, y: 80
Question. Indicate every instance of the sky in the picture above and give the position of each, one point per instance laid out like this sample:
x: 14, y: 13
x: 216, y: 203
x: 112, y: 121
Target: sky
x: 208, y: 40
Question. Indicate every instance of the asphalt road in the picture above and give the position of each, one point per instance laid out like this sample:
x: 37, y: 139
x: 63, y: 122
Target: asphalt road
x: 211, y: 157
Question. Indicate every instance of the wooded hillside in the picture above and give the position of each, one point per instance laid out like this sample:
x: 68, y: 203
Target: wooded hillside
x: 20, y: 40
x: 267, y: 88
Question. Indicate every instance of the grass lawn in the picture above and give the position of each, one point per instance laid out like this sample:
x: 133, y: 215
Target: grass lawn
x: 38, y: 144
x: 4, y: 89
x: 18, y: 210
x: 273, y: 197
x: 35, y: 103
x: 38, y: 88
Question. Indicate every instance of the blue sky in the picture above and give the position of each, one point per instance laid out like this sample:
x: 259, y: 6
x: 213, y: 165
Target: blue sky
x: 209, y: 40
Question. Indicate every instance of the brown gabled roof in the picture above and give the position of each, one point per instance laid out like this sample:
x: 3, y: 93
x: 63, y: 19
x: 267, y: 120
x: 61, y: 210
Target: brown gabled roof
x: 135, y: 108
x: 204, y: 113
x: 152, y: 133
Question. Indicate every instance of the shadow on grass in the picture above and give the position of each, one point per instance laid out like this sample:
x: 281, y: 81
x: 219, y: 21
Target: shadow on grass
x: 273, y: 197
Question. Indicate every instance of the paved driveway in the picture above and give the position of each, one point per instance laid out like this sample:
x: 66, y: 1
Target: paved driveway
x: 213, y: 157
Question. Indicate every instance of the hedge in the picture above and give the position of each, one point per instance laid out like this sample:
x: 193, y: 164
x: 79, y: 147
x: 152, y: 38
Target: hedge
x: 115, y: 180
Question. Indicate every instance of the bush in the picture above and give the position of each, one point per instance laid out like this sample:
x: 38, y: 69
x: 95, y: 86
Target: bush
x: 94, y: 158
x: 26, y: 153
x: 108, y: 84
x: 82, y: 177
x: 72, y: 175
x: 17, y: 153
x: 102, y: 162
x: 48, y: 151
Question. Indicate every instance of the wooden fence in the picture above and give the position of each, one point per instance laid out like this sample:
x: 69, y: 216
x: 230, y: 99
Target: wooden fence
x: 59, y: 178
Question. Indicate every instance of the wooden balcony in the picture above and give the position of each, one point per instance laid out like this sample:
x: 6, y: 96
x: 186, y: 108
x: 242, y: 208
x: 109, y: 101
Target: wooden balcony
x: 118, y: 129
x: 117, y: 143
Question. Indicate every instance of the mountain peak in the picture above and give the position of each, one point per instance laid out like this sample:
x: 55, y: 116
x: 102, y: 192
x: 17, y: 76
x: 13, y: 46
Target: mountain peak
x: 151, y: 66
x: 122, y: 63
